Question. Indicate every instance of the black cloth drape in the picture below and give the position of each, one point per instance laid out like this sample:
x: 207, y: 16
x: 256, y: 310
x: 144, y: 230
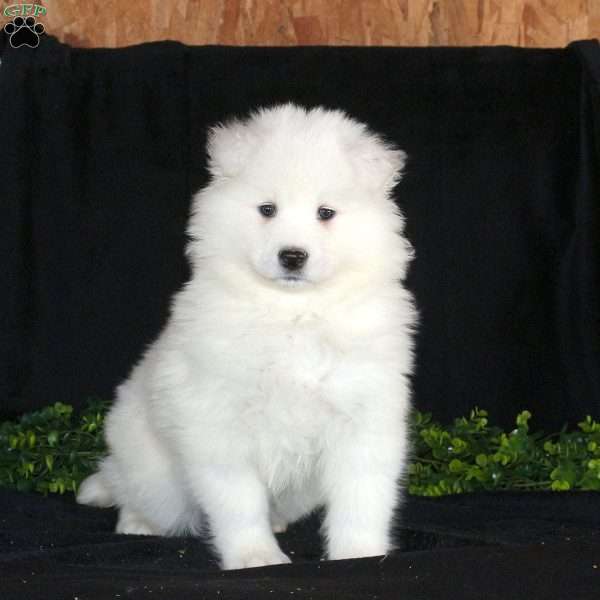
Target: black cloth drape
x: 101, y: 151
x: 472, y: 547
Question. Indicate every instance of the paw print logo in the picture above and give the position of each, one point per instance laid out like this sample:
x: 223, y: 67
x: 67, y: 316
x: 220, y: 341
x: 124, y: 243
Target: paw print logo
x: 24, y: 32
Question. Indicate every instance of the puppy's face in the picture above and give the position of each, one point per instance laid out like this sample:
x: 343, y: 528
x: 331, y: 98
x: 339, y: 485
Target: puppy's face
x: 297, y: 200
x: 295, y: 216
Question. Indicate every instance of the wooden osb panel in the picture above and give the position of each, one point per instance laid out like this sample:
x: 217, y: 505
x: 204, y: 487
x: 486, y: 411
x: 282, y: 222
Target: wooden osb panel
x: 112, y: 23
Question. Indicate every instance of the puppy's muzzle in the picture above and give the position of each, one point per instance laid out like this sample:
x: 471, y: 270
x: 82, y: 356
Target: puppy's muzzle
x: 293, y: 259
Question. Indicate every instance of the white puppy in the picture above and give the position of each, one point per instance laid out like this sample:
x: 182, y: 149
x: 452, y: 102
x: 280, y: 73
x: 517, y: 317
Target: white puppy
x: 280, y: 381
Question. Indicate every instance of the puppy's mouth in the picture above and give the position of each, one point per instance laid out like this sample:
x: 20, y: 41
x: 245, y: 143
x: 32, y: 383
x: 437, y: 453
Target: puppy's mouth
x: 292, y: 279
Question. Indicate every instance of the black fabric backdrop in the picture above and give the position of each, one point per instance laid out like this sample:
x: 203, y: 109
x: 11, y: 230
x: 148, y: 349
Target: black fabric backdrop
x: 101, y: 151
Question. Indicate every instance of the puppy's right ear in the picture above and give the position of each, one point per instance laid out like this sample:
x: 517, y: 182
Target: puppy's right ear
x: 229, y: 146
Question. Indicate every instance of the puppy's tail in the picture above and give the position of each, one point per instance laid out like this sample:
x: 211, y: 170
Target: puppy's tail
x: 94, y: 492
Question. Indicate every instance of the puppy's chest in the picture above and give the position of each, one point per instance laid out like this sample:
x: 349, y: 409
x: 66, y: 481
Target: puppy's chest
x: 298, y: 413
x: 295, y: 357
x: 287, y: 406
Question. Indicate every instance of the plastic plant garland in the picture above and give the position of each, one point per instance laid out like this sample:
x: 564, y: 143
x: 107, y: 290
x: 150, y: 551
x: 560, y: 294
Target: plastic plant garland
x: 54, y: 449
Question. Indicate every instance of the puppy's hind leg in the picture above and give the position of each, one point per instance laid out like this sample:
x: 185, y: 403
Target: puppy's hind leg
x: 93, y: 491
x: 131, y: 523
x: 141, y: 475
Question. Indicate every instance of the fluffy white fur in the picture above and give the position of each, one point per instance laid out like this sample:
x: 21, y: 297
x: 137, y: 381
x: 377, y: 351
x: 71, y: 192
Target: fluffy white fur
x: 265, y: 397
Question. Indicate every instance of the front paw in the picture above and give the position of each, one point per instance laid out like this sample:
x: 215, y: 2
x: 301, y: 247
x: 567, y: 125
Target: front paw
x: 254, y: 557
x: 341, y: 547
x: 356, y: 553
x: 278, y: 524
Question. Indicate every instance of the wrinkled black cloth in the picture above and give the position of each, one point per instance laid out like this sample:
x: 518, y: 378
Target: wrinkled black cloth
x: 101, y: 151
x: 542, y: 546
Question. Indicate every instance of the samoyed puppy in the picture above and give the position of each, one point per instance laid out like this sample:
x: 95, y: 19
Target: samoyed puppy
x: 279, y: 384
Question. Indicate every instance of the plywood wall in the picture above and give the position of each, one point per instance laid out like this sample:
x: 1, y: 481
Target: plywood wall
x: 112, y: 23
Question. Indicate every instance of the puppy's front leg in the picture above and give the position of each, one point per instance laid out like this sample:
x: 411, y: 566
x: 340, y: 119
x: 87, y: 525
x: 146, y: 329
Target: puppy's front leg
x: 361, y: 484
x: 237, y: 506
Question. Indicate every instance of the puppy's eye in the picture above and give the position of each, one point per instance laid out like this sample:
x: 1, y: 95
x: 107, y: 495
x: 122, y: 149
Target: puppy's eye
x: 325, y: 213
x: 267, y: 210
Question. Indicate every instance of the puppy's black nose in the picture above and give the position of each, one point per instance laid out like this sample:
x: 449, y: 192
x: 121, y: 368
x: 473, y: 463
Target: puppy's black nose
x: 292, y: 259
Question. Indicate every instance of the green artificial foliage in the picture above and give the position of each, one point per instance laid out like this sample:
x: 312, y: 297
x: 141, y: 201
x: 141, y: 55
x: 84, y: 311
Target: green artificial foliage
x: 54, y: 449
x: 471, y: 455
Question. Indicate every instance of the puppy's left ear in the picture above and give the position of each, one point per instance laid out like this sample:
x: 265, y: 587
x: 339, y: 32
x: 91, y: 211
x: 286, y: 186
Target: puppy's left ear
x: 380, y: 164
